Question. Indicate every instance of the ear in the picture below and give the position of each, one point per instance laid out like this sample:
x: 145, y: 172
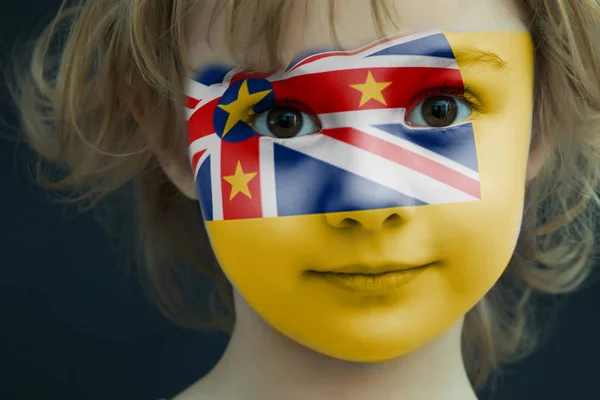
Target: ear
x: 180, y: 174
x: 537, y: 156
x: 178, y: 171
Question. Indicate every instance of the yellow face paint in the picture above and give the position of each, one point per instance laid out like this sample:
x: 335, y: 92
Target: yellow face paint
x: 363, y: 263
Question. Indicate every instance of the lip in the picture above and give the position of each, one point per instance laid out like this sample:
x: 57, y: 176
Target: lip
x: 374, y: 269
x: 373, y: 280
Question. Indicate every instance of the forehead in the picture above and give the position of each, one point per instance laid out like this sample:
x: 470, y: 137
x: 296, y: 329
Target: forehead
x: 307, y: 25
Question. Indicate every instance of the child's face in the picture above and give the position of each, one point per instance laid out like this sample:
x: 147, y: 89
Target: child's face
x: 363, y: 202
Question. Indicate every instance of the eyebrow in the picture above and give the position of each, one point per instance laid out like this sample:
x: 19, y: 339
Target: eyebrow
x: 472, y: 56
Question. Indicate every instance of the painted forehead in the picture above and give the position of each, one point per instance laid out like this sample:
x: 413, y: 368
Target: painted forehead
x: 399, y: 48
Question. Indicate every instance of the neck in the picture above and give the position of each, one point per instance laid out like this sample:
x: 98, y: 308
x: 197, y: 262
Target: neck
x: 261, y: 363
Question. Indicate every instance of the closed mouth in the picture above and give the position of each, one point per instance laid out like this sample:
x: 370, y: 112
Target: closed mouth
x: 364, y: 270
x: 360, y: 274
x: 369, y: 280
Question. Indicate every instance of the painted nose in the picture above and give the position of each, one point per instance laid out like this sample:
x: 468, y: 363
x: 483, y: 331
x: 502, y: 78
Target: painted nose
x: 371, y: 220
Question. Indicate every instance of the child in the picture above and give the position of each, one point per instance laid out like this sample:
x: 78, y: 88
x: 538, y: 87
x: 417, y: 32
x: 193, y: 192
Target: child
x: 383, y: 214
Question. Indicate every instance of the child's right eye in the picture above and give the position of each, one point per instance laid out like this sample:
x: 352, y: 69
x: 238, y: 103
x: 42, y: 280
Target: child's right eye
x: 286, y: 123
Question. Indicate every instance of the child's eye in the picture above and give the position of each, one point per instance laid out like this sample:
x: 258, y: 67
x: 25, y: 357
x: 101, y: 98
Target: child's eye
x: 286, y: 123
x: 439, y: 111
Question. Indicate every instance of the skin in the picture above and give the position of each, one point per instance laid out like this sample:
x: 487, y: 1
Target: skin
x: 409, y: 355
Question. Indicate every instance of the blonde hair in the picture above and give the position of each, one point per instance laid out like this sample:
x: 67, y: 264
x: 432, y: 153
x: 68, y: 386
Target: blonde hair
x: 76, y: 99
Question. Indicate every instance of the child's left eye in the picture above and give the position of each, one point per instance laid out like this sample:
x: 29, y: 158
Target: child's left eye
x: 439, y: 112
x: 286, y: 123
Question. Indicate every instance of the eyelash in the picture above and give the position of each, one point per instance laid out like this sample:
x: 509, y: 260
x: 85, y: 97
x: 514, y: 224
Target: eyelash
x: 251, y: 114
x: 467, y: 95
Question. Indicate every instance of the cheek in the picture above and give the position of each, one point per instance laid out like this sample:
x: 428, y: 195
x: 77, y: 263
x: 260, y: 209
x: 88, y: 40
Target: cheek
x: 483, y: 235
x: 478, y: 246
x: 269, y: 253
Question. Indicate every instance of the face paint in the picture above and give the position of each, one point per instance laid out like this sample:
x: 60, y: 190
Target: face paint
x: 362, y: 202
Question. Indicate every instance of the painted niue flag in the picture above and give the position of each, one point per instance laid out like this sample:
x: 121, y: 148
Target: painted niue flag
x: 364, y: 157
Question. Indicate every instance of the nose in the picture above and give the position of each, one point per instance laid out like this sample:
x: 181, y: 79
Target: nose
x: 371, y: 220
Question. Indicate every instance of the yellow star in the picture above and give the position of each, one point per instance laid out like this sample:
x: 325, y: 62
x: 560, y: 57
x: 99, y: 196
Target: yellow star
x: 239, y: 182
x: 371, y: 90
x: 244, y: 101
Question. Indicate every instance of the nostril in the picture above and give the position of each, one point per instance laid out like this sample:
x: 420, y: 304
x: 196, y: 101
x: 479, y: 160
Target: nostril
x: 370, y: 220
x: 393, y: 219
x: 348, y: 223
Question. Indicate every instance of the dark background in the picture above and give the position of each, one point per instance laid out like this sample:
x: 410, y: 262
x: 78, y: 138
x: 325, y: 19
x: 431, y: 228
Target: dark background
x: 74, y: 325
